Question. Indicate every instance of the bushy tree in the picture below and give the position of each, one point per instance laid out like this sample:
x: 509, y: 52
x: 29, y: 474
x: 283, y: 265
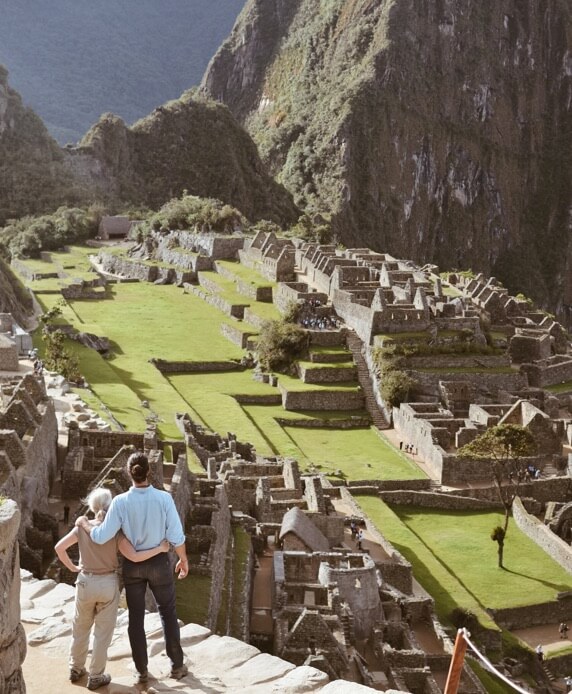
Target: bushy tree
x: 395, y: 386
x: 56, y: 356
x: 28, y: 236
x: 313, y: 228
x: 280, y: 344
x: 504, y: 446
x: 199, y: 214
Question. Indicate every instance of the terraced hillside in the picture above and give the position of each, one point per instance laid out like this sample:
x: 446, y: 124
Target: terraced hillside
x: 208, y: 327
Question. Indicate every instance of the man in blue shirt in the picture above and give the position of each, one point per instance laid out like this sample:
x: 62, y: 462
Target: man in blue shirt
x: 147, y: 516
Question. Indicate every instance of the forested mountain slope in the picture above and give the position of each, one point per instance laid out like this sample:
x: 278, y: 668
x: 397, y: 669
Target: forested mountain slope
x: 33, y: 177
x: 72, y: 60
x: 434, y: 130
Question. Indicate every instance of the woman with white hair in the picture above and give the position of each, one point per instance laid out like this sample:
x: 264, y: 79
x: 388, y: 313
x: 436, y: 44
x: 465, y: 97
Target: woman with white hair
x: 97, y: 590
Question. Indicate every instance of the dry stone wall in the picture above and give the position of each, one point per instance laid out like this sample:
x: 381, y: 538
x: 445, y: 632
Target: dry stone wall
x: 541, y: 534
x: 322, y: 400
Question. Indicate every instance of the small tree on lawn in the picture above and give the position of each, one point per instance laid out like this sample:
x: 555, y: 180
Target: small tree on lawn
x: 504, y: 446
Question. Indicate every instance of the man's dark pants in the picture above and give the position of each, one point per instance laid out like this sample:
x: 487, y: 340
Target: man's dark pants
x: 157, y: 573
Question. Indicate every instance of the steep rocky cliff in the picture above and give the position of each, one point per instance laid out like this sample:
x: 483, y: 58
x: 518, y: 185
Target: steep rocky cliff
x: 32, y: 176
x: 191, y: 144
x: 434, y: 129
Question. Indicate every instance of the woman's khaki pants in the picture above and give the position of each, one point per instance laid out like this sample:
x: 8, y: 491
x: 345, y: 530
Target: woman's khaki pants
x: 96, y: 601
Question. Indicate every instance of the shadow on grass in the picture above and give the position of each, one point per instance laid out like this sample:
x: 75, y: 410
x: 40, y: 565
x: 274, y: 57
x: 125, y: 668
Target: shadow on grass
x: 559, y: 587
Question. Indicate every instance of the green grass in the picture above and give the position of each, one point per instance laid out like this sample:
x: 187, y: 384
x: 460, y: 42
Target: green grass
x: 456, y: 561
x: 193, y: 463
x: 135, y: 323
x: 37, y: 265
x: 559, y: 387
x: 245, y: 274
x: 193, y: 595
x: 309, y: 365
x: 295, y: 385
x: 228, y: 291
x: 530, y: 576
x: 359, y: 453
x: 432, y: 573
x: 210, y: 396
x: 491, y: 683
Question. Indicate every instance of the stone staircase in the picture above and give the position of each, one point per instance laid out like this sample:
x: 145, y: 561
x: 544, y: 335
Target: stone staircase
x: 355, y: 345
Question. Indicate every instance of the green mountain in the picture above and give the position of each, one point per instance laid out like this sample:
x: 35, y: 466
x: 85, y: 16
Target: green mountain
x: 190, y: 144
x: 72, y: 60
x: 33, y: 176
x: 436, y: 131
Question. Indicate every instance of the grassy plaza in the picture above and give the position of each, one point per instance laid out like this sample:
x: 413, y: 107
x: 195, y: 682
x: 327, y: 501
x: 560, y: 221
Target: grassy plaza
x: 455, y: 560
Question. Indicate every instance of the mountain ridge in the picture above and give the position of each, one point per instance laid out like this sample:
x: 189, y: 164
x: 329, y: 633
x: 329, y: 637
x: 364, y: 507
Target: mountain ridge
x: 430, y: 130
x: 131, y: 55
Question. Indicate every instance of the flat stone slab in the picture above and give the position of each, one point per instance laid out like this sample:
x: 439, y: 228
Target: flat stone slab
x: 210, y: 653
x: 193, y: 633
x: 37, y: 616
x: 34, y: 589
x: 262, y: 668
x: 58, y: 596
x: 49, y: 630
x: 345, y: 687
x: 300, y: 680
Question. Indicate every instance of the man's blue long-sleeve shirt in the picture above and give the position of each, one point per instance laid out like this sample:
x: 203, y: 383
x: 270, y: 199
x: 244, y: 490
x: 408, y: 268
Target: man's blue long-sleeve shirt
x: 146, y: 515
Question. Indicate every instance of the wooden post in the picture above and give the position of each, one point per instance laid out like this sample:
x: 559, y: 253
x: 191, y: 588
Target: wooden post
x: 456, y: 667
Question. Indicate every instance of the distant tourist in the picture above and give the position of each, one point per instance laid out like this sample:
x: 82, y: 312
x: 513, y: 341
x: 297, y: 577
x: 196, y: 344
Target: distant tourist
x: 563, y: 630
x: 353, y: 529
x: 97, y: 590
x: 359, y: 538
x: 539, y: 652
x: 147, y: 516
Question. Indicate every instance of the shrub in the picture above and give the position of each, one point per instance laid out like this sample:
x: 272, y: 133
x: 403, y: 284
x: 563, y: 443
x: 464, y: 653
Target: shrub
x: 463, y: 619
x: 57, y: 358
x: 395, y: 386
x: 28, y: 236
x: 192, y: 212
x: 280, y: 344
x: 292, y: 313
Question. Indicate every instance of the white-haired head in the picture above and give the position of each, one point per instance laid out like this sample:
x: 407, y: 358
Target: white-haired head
x: 98, y: 501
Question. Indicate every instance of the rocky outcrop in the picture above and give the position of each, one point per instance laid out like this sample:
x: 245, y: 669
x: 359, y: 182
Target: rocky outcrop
x: 438, y: 131
x: 191, y: 144
x: 216, y: 663
x: 12, y: 637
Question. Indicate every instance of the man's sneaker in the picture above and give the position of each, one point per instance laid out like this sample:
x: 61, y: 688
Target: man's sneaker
x: 77, y: 673
x: 142, y: 677
x: 97, y: 681
x: 177, y: 673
